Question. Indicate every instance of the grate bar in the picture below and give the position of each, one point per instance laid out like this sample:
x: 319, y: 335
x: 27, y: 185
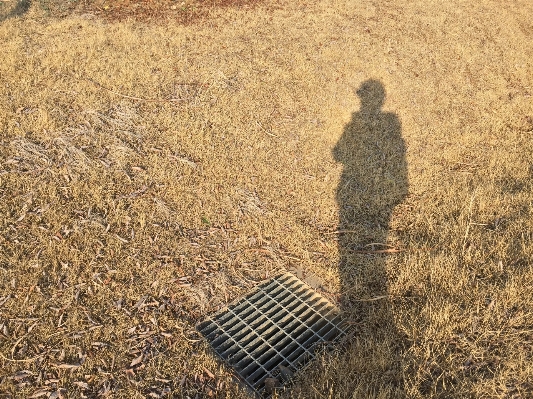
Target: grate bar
x: 276, y: 325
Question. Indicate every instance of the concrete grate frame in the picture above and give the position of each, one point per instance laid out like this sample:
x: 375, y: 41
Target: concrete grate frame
x: 272, y: 332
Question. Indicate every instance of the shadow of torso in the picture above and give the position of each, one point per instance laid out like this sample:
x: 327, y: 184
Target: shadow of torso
x: 373, y: 182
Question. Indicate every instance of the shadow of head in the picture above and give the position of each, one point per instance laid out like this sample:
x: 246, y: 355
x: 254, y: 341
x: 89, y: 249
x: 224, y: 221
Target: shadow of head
x: 372, y: 96
x: 20, y: 8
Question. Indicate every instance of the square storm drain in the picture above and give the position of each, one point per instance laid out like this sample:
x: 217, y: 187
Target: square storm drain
x: 273, y: 332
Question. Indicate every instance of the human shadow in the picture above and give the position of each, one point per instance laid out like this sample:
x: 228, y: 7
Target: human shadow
x: 18, y: 9
x: 373, y: 182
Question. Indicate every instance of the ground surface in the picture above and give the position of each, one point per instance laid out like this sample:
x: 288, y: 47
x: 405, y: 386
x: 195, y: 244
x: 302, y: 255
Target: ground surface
x: 151, y: 171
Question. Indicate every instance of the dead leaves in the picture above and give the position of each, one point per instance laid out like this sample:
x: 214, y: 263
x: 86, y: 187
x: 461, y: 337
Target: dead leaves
x: 130, y: 373
x: 21, y: 375
x: 203, y: 382
x: 39, y: 393
x: 4, y: 299
x: 68, y: 317
x: 137, y: 360
x: 81, y: 384
x: 143, y: 343
x: 57, y: 394
x: 66, y: 366
x: 208, y: 373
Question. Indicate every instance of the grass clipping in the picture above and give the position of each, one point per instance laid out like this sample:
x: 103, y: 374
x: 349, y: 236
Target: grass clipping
x: 149, y: 175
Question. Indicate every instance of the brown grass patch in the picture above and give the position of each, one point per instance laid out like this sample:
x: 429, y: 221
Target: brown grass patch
x: 177, y: 11
x: 206, y: 158
x: 187, y: 11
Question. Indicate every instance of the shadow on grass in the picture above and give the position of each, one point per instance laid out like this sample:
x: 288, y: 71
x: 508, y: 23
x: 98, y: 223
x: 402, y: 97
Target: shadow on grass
x: 373, y: 182
x: 21, y: 7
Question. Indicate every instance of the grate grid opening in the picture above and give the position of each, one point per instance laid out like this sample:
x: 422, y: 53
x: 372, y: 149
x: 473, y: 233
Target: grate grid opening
x: 277, y: 326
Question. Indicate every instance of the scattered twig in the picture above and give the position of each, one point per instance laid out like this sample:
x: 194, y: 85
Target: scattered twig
x: 31, y: 359
x: 465, y: 239
x: 316, y: 390
x: 133, y: 97
x: 209, y: 373
x: 14, y: 348
x: 373, y: 244
x: 378, y: 251
x: 377, y: 298
x: 340, y: 232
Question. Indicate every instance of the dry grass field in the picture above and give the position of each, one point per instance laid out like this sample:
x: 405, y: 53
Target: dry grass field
x: 151, y: 172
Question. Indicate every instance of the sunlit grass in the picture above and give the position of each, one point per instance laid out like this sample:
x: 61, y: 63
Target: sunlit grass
x: 150, y: 174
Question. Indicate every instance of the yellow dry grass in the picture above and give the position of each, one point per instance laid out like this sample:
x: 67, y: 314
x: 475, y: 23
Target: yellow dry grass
x: 150, y: 174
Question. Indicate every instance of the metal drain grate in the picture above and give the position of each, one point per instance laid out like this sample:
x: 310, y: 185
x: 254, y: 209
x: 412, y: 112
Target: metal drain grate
x: 272, y: 332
